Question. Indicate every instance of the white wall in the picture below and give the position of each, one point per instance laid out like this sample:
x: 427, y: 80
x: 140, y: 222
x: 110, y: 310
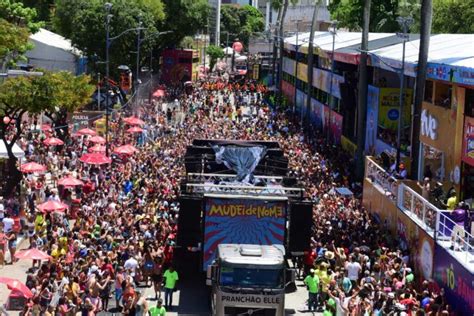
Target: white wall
x: 51, y: 58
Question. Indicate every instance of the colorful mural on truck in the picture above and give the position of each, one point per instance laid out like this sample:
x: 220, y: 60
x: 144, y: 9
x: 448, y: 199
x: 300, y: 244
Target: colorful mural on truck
x: 249, y: 221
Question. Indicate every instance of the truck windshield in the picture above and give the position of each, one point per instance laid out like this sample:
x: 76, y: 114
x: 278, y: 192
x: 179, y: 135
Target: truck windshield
x: 247, y: 277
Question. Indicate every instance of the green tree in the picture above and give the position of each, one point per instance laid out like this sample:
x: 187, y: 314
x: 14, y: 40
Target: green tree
x: 240, y: 21
x: 44, y: 9
x: 453, y: 16
x: 214, y: 53
x: 17, y: 14
x: 184, y: 18
x: 13, y: 43
x: 83, y: 21
x: 383, y: 14
x: 53, y: 93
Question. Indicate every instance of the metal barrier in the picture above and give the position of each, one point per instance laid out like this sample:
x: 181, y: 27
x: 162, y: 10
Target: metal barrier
x: 418, y: 208
x: 381, y: 178
x: 199, y: 188
x: 219, y: 177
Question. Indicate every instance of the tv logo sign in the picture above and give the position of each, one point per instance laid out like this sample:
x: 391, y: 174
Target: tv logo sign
x: 429, y: 124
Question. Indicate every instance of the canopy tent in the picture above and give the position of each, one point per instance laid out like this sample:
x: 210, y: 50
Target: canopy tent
x: 228, y: 51
x: 17, y: 151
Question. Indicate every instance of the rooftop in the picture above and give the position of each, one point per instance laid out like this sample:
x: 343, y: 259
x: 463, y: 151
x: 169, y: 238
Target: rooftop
x: 55, y: 40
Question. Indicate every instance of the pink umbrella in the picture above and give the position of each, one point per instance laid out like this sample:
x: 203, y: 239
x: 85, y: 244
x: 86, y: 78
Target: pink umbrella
x: 97, y: 140
x: 97, y: 148
x: 17, y: 286
x: 46, y: 128
x: 134, y: 129
x: 69, y: 182
x: 95, y: 159
x: 52, y: 206
x: 133, y: 121
x: 53, y: 141
x: 32, y: 254
x: 86, y: 131
x: 125, y: 150
x: 159, y: 93
x: 32, y: 167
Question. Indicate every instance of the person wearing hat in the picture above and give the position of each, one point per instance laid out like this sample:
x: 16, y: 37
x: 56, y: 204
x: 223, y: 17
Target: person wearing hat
x: 312, y: 284
x: 158, y: 310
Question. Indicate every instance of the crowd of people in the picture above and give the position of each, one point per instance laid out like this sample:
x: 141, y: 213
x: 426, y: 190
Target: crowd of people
x: 120, y: 229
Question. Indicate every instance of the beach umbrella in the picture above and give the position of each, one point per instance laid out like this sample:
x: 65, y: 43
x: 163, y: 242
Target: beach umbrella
x: 53, y: 141
x: 159, y: 93
x: 32, y: 167
x: 133, y: 121
x: 17, y: 286
x: 125, y: 150
x: 52, y: 206
x: 97, y: 148
x: 95, y: 159
x: 70, y: 182
x: 97, y: 140
x: 86, y: 131
x: 134, y: 129
x: 46, y: 128
x: 32, y: 254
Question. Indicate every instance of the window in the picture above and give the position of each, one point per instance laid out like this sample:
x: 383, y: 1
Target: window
x: 428, y: 91
x: 443, y: 95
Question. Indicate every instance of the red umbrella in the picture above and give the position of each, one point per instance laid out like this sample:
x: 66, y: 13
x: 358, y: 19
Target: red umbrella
x: 125, y: 150
x: 52, y: 206
x: 70, y: 182
x: 46, y: 128
x: 32, y: 167
x: 97, y: 140
x: 17, y: 286
x: 95, y: 159
x: 34, y: 254
x: 134, y: 129
x: 86, y: 131
x: 133, y: 121
x: 97, y: 148
x: 53, y: 141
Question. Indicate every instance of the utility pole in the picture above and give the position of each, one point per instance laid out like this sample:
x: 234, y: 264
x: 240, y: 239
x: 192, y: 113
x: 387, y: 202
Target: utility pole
x: 362, y: 96
x: 108, y: 17
x: 282, y: 44
x: 405, y: 23
x: 137, y: 70
x: 98, y: 91
x: 331, y: 97
x: 425, y: 34
x: 296, y: 68
x: 218, y: 23
x: 311, y: 59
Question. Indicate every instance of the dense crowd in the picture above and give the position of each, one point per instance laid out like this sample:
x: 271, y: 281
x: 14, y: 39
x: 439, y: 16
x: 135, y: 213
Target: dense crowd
x: 120, y: 229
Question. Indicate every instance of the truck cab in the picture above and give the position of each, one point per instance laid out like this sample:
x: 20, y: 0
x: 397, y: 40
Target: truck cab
x: 248, y: 280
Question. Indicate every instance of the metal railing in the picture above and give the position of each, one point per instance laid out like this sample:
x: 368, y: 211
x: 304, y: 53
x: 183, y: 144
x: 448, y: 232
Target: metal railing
x: 213, y: 177
x: 418, y: 208
x: 459, y: 241
x: 200, y: 188
x: 381, y: 178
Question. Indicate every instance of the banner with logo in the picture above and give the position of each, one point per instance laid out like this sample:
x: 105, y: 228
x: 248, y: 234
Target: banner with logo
x: 389, y: 100
x: 372, y: 120
x: 322, y: 81
x: 301, y: 102
x: 468, y: 141
x: 317, y: 114
x: 456, y: 280
x: 242, y: 221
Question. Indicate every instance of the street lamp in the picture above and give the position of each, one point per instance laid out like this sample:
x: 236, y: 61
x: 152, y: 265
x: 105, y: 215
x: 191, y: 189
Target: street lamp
x: 108, y: 42
x: 405, y: 23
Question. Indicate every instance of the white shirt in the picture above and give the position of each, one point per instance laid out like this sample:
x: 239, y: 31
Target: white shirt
x: 131, y: 264
x: 8, y: 223
x: 353, y: 269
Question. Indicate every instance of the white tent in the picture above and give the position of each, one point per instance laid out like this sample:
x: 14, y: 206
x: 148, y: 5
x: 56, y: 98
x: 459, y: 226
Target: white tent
x: 228, y: 51
x: 17, y: 151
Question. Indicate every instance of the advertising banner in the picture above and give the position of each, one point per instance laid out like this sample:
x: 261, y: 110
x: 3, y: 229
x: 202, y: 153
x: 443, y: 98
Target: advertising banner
x: 245, y: 221
x: 288, y: 91
x: 302, y: 72
x: 448, y: 73
x: 322, y: 81
x: 389, y: 99
x: 372, y: 119
x: 456, y: 280
x: 468, y: 141
x: 336, y: 126
x: 301, y: 102
x: 83, y: 119
x: 289, y: 66
x: 317, y: 113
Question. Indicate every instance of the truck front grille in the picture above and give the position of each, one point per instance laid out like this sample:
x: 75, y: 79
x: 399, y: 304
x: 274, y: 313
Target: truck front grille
x: 242, y: 311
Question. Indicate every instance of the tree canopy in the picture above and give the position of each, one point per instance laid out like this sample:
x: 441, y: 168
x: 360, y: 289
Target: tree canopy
x: 214, y: 53
x: 241, y: 22
x: 453, y: 16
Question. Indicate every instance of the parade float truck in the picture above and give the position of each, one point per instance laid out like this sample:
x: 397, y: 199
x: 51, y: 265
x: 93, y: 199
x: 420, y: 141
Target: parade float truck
x: 244, y: 226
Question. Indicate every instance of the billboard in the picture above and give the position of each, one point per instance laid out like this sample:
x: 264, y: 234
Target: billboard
x: 244, y: 221
x: 456, y: 280
x: 389, y: 99
x: 468, y: 141
x: 372, y: 119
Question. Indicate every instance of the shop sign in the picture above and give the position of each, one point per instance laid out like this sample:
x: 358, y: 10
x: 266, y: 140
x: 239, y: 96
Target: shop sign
x: 429, y: 125
x: 389, y: 99
x: 468, y: 141
x: 456, y: 280
x: 460, y: 75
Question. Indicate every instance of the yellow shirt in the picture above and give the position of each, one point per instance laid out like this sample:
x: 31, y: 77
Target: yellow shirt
x: 452, y: 202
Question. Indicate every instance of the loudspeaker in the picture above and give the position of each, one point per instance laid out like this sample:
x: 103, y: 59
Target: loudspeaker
x: 189, y: 221
x: 301, y: 223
